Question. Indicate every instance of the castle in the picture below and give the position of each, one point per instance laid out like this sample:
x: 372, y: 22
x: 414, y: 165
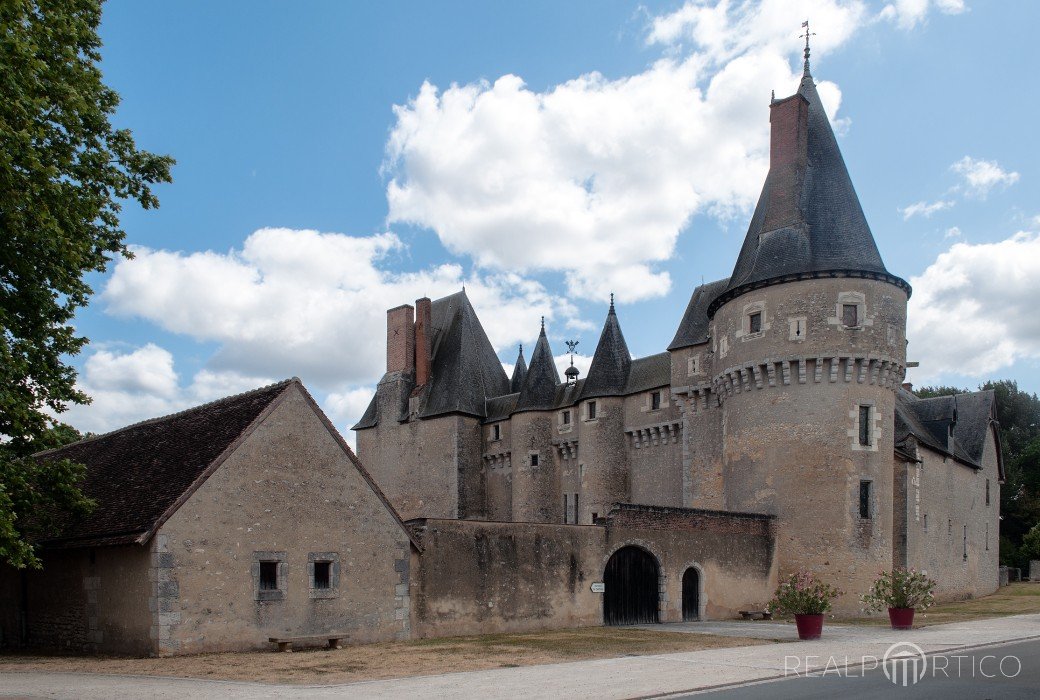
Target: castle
x: 780, y: 394
x: 772, y: 435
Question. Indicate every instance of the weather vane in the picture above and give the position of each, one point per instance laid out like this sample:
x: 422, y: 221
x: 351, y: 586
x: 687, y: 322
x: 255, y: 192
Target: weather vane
x: 571, y: 344
x: 805, y: 26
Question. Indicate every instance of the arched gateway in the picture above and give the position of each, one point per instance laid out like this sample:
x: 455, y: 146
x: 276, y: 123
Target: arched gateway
x: 632, y: 589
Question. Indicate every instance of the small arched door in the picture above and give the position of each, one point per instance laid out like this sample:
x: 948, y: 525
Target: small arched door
x: 631, y: 580
x: 691, y: 600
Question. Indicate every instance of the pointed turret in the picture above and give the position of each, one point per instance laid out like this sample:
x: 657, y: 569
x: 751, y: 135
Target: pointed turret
x: 808, y: 221
x: 611, y: 362
x: 539, y: 388
x: 519, y: 373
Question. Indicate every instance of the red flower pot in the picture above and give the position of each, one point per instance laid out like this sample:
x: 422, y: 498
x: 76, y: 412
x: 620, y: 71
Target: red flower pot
x: 901, y: 618
x: 809, y: 626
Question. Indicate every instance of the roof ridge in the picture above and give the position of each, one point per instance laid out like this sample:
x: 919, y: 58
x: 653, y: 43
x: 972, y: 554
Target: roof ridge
x: 149, y: 421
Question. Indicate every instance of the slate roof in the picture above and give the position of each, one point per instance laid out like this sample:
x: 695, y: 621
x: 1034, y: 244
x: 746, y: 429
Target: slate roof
x: 693, y: 329
x: 539, y: 390
x: 465, y: 369
x: 608, y: 373
x: 650, y: 372
x: 831, y: 237
x: 500, y: 407
x: 929, y: 420
x: 516, y: 383
x: 141, y: 474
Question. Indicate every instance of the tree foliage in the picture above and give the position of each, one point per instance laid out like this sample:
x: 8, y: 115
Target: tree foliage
x: 64, y: 173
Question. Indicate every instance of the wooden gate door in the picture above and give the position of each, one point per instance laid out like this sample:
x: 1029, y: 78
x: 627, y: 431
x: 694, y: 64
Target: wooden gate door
x: 691, y: 595
x: 632, y: 589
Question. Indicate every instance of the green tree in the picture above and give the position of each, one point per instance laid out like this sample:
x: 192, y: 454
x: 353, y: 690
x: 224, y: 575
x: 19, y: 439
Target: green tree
x: 64, y: 173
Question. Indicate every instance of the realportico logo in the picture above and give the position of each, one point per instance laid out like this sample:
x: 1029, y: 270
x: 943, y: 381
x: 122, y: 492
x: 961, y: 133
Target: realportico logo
x: 904, y: 664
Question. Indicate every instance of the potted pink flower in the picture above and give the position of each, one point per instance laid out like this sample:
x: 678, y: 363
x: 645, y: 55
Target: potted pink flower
x: 808, y: 599
x: 902, y: 591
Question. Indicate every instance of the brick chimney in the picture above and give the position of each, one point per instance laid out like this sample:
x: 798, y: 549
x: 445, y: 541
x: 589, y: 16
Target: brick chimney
x: 400, y: 339
x: 423, y: 334
x: 788, y: 141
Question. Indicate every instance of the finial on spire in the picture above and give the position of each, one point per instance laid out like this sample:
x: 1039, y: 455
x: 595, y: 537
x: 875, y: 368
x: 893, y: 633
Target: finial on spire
x: 612, y: 301
x: 521, y: 348
x: 543, y: 324
x: 805, y: 26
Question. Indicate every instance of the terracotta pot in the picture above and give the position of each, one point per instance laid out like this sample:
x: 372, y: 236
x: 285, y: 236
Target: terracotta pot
x: 809, y: 626
x: 901, y: 618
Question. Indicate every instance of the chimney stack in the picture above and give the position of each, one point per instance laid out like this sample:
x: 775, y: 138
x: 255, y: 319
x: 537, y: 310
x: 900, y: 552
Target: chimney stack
x: 423, y: 333
x: 400, y: 339
x: 788, y: 148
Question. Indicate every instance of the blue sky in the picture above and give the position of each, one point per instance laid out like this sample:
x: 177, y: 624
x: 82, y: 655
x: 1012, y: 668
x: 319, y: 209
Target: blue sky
x: 337, y: 159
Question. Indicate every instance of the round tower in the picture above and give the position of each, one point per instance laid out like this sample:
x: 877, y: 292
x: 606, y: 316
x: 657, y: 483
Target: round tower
x: 808, y: 348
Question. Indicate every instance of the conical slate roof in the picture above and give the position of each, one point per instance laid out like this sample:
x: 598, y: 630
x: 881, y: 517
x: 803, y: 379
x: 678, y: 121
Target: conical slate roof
x: 693, y: 329
x: 539, y: 390
x: 611, y: 362
x: 519, y: 373
x: 827, y: 235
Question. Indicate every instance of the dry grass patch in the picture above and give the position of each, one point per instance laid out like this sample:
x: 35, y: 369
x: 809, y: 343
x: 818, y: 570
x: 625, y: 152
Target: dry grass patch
x: 393, y: 659
x: 1016, y: 599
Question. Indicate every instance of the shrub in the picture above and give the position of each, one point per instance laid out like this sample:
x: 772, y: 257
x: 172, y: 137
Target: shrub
x: 900, y: 588
x: 803, y: 594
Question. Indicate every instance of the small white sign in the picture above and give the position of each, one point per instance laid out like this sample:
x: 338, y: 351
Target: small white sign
x: 599, y: 587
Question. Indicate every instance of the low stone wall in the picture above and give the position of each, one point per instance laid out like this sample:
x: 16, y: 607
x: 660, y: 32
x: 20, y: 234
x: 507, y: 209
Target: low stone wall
x: 477, y: 577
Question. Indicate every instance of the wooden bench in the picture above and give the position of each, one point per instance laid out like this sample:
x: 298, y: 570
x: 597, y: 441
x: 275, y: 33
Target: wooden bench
x: 756, y: 614
x: 285, y: 643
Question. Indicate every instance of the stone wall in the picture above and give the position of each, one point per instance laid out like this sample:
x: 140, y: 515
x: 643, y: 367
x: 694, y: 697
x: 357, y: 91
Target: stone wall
x: 482, y: 577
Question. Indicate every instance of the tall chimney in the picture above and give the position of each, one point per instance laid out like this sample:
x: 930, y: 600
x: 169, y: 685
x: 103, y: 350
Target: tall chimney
x: 423, y: 334
x: 400, y: 339
x: 788, y: 141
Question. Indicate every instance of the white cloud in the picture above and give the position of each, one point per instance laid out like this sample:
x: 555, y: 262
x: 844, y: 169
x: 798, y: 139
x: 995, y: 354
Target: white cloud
x: 925, y: 209
x: 146, y: 370
x: 309, y: 304
x: 907, y: 14
x: 953, y: 232
x: 973, y: 310
x: 981, y: 176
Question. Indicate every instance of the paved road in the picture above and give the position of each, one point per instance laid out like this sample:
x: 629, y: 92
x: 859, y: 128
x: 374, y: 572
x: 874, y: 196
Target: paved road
x: 625, y: 677
x: 1005, y: 671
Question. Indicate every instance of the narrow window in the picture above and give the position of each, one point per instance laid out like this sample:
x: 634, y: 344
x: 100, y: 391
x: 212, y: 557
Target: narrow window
x: 577, y: 517
x: 566, y: 509
x: 322, y: 575
x: 268, y: 576
x: 755, y: 322
x: 949, y: 528
x: 534, y: 459
x: 594, y: 516
x: 864, y: 425
x: 566, y: 417
x: 592, y: 410
x: 926, y: 522
x: 965, y: 542
x: 850, y: 315
x: 987, y: 537
x: 496, y: 432
x: 655, y: 400
x: 987, y: 492
x: 864, y: 499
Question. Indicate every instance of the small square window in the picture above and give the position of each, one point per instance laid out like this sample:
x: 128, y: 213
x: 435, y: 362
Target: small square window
x: 566, y: 417
x: 755, y: 322
x: 534, y: 459
x: 850, y: 315
x: 322, y: 575
x: 591, y: 410
x: 655, y: 400
x: 864, y: 499
x: 268, y: 576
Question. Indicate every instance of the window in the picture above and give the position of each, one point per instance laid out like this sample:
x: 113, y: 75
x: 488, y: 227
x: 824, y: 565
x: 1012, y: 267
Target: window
x: 591, y: 410
x: 965, y: 543
x: 693, y: 365
x: 755, y: 322
x: 268, y: 576
x: 926, y: 522
x: 594, y: 516
x: 566, y: 509
x: 949, y: 528
x: 322, y: 575
x: 655, y: 400
x: 534, y: 459
x: 864, y: 425
x: 577, y: 516
x: 566, y: 417
x: 987, y: 492
x: 987, y: 537
x: 864, y: 499
x: 496, y: 432
x: 797, y: 326
x: 850, y: 315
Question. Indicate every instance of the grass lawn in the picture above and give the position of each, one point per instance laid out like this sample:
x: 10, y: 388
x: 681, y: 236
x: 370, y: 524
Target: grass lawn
x: 1016, y: 599
x: 392, y: 659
